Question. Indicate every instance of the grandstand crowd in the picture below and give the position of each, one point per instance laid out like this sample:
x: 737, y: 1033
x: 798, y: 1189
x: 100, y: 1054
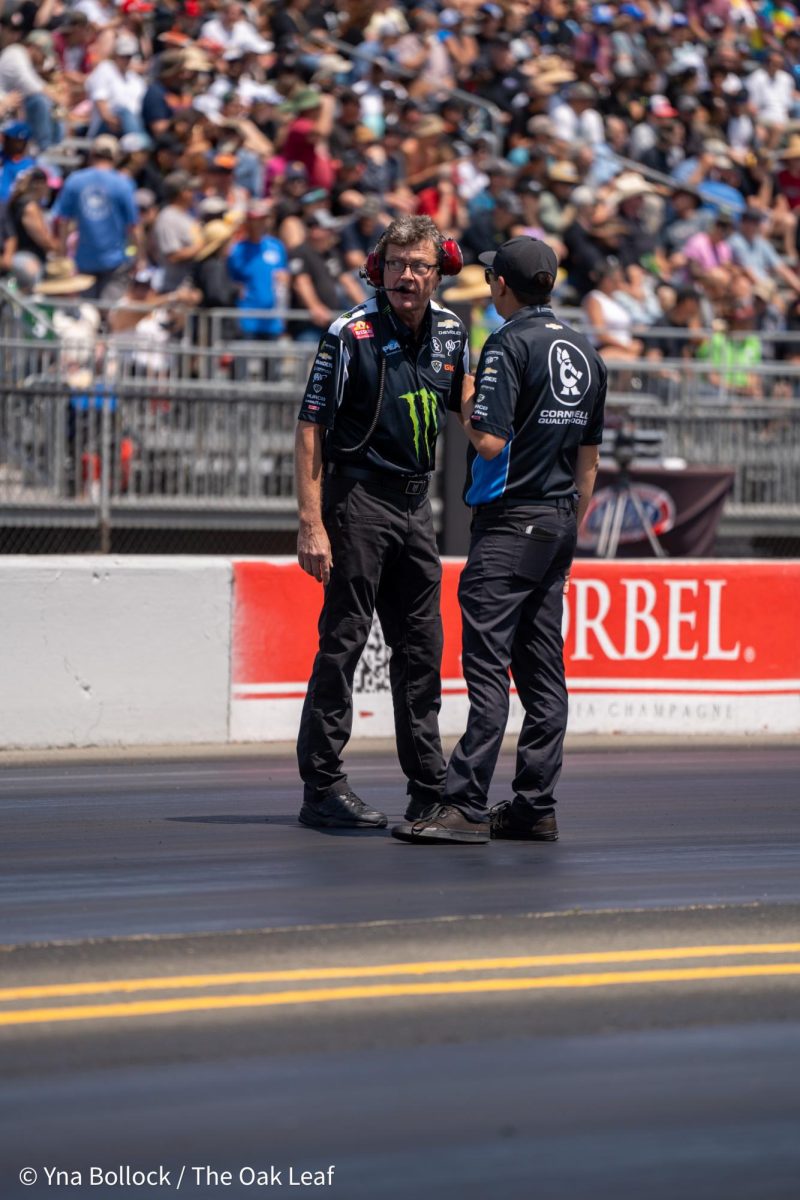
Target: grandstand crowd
x: 217, y: 154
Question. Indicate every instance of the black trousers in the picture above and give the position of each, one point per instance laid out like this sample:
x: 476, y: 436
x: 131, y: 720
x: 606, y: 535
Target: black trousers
x: 385, y: 559
x: 511, y: 596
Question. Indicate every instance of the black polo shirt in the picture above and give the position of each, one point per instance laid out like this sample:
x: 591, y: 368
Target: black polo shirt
x: 421, y: 373
x: 542, y: 387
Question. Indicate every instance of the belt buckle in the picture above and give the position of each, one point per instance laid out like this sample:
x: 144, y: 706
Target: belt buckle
x: 416, y: 487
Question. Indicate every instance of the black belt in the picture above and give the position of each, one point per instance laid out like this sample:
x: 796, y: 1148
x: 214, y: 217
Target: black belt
x: 566, y: 502
x: 407, y: 485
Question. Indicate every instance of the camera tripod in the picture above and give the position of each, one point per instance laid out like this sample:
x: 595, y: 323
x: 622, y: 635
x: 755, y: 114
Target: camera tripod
x: 614, y: 518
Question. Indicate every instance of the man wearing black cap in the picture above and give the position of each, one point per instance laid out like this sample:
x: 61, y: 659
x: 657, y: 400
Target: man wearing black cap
x: 535, y: 422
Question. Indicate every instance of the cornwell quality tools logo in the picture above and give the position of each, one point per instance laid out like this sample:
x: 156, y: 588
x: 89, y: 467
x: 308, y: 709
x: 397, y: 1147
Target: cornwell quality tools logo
x: 422, y: 406
x: 570, y: 375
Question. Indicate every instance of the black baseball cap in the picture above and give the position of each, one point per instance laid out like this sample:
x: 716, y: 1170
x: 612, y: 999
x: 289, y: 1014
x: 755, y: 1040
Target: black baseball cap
x: 519, y: 260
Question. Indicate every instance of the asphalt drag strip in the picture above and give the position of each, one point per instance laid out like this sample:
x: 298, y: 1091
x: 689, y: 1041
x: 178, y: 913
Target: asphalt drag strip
x: 198, y: 995
x: 521, y: 1061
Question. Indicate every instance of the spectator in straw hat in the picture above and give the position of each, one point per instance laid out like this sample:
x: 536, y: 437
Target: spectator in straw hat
x: 76, y: 321
x: 555, y: 210
x: 62, y: 278
x: 425, y: 148
x: 210, y: 271
x: 471, y: 299
x: 628, y: 199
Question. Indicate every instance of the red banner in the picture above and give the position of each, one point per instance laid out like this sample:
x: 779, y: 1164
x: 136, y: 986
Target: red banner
x: 636, y: 629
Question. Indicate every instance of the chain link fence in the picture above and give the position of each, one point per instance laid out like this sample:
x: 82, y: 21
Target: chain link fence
x: 132, y: 445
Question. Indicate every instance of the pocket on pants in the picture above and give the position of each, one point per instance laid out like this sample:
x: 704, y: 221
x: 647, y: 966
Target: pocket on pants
x: 537, y: 547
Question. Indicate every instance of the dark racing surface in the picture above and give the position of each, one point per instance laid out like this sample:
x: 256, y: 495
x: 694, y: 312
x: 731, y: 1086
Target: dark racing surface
x: 193, y: 984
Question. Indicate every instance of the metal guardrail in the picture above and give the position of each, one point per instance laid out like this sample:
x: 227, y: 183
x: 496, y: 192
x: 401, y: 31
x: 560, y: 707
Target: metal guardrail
x: 123, y: 431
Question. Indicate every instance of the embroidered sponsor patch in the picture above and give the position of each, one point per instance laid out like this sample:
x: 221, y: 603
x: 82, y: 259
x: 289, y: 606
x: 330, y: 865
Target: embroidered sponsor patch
x: 449, y: 367
x: 437, y: 366
x: 452, y: 345
x: 392, y: 347
x: 436, y: 345
x: 362, y: 329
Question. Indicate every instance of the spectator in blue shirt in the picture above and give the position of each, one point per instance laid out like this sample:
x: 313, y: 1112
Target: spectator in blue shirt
x: 259, y: 264
x: 757, y: 254
x: 99, y: 202
x: 14, y: 158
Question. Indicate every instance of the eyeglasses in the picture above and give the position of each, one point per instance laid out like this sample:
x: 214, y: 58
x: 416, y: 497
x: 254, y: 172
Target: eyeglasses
x: 489, y: 276
x: 418, y: 266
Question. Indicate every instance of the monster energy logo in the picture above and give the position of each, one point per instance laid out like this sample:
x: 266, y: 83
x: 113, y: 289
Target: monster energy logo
x: 427, y: 427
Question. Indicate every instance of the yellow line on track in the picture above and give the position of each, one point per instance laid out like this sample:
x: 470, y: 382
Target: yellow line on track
x: 445, y: 966
x: 187, y: 1004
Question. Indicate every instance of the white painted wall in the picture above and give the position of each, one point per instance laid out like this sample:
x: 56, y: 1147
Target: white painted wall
x: 105, y: 651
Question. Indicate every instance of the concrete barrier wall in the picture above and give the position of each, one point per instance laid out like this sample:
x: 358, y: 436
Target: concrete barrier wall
x: 114, y: 651
x: 130, y: 651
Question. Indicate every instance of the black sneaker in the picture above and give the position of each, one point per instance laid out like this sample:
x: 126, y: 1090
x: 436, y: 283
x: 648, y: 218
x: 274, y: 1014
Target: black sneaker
x: 506, y: 823
x: 340, y: 810
x: 443, y: 824
x: 417, y: 809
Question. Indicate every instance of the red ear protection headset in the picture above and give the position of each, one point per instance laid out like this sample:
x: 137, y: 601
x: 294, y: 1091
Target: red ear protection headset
x: 451, y: 260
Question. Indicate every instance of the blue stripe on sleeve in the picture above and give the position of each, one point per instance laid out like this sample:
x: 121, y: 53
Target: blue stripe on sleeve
x: 489, y: 477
